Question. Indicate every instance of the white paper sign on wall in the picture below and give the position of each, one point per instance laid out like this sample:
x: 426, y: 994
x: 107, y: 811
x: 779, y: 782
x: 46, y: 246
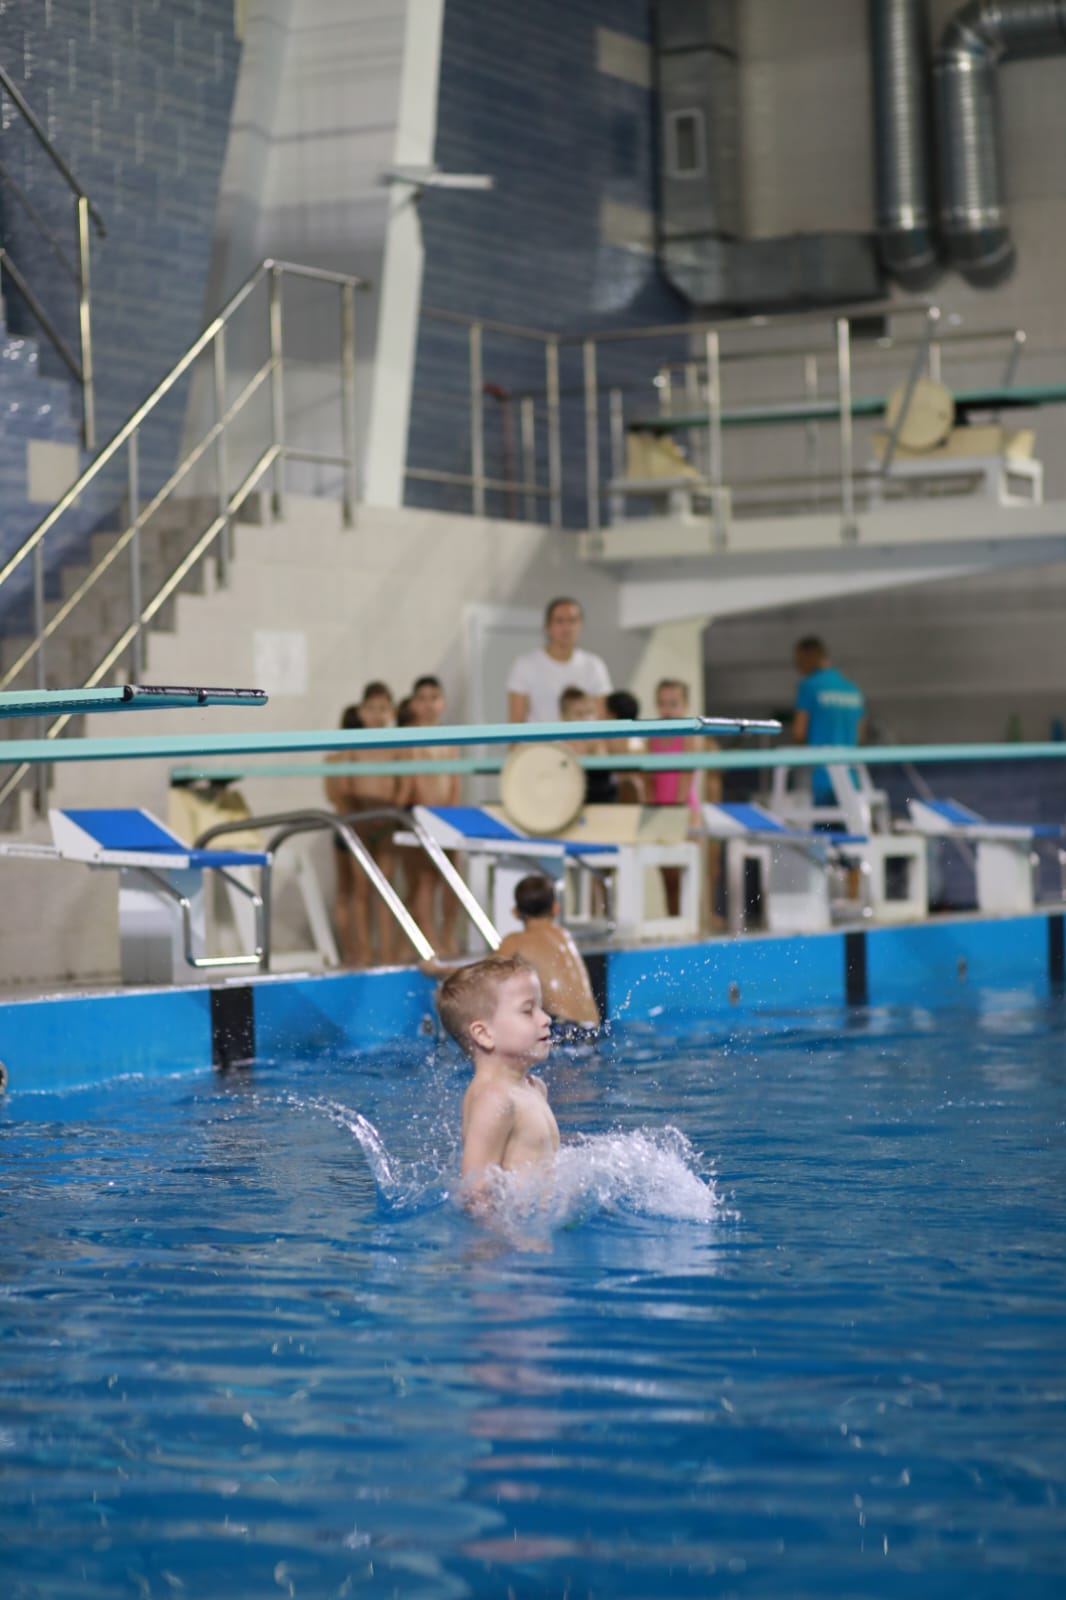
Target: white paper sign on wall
x: 280, y: 661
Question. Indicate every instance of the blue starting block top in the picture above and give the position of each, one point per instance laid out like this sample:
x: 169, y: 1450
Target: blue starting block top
x: 128, y: 697
x: 473, y: 823
x: 126, y: 829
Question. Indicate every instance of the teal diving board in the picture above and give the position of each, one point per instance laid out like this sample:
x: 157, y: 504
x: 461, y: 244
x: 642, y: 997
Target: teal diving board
x: 191, y: 746
x: 128, y: 697
x: 639, y: 761
x: 989, y: 399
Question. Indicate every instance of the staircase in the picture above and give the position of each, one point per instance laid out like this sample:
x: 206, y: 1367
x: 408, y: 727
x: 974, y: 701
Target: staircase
x: 39, y: 450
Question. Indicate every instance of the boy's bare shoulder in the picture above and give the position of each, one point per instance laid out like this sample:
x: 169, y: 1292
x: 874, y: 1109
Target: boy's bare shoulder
x: 489, y: 1097
x: 539, y: 1085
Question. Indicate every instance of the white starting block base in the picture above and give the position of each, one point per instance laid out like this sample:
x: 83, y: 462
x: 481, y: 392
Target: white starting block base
x: 632, y: 888
x: 1006, y: 864
x: 152, y: 930
x: 778, y: 886
x: 1006, y: 875
x: 897, y: 877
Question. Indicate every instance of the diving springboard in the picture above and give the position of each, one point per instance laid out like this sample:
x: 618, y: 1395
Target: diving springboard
x: 989, y: 399
x: 127, y: 697
x: 310, y: 741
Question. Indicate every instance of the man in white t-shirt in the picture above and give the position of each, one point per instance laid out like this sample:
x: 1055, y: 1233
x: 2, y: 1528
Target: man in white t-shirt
x: 536, y: 680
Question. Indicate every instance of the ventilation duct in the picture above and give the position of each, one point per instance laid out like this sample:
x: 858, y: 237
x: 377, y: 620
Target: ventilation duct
x: 977, y: 38
x: 899, y: 54
x: 701, y: 248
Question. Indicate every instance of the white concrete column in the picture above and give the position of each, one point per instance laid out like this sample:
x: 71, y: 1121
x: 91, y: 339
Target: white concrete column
x: 401, y: 272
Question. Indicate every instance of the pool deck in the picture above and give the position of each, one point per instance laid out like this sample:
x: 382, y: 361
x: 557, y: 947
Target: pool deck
x: 77, y: 1034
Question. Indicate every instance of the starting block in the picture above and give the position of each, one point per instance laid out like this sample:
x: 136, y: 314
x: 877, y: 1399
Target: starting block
x: 801, y: 881
x: 1006, y: 861
x: 161, y: 912
x: 499, y: 855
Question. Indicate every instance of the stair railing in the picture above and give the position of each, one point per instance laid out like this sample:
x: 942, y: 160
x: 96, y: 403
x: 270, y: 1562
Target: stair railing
x: 80, y: 364
x: 230, y: 497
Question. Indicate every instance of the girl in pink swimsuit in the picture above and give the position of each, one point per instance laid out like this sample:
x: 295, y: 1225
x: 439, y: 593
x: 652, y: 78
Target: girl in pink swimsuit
x: 680, y: 788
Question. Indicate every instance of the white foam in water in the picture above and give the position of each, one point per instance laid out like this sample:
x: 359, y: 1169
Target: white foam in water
x: 647, y: 1173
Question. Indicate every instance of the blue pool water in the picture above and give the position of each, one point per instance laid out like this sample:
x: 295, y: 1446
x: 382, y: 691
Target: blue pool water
x: 792, y: 1323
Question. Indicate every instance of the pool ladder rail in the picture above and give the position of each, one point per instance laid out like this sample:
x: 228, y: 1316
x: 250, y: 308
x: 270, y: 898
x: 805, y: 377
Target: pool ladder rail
x: 291, y: 824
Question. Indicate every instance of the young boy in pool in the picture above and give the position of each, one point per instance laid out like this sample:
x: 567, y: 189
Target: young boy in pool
x: 550, y: 951
x: 493, y: 1011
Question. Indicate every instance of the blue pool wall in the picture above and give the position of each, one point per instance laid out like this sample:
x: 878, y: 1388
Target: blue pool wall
x: 69, y: 1041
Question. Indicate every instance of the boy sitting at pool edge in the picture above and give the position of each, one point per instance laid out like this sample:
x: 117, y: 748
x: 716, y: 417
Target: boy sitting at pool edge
x: 493, y: 1011
x: 550, y: 950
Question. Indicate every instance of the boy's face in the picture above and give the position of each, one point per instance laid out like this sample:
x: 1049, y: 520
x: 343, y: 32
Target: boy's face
x: 519, y: 1030
x: 427, y: 703
x: 583, y: 710
x: 376, y: 711
x: 671, y: 701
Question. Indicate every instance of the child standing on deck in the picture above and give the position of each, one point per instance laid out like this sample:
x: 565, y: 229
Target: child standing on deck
x: 493, y: 1011
x: 430, y: 789
x: 349, y: 794
x: 681, y: 788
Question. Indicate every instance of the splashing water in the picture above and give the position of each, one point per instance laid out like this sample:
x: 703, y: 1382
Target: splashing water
x: 403, y: 1187
x: 646, y: 1173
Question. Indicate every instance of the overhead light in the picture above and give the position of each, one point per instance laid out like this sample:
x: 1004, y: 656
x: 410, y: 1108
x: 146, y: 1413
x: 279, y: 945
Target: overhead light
x: 434, y: 178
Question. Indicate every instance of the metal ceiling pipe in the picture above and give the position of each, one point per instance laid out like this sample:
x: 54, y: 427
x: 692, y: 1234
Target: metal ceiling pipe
x: 973, y: 221
x: 898, y: 63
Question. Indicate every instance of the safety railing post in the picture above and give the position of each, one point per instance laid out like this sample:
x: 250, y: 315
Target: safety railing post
x: 810, y: 394
x: 477, y: 421
x: 617, y: 423
x: 555, y: 454
x: 592, y: 435
x: 348, y: 414
x: 41, y: 773
x: 715, y: 468
x: 88, y: 397
x: 527, y: 422
x: 848, y: 529
x: 225, y: 538
x: 1010, y: 371
x: 918, y: 366
x: 133, y: 513
x: 277, y: 389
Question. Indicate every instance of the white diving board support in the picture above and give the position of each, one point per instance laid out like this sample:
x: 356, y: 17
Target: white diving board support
x: 128, y: 697
x: 161, y: 905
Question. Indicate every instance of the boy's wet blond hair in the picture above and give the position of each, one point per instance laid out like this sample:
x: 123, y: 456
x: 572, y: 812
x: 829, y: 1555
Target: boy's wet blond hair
x: 469, y: 995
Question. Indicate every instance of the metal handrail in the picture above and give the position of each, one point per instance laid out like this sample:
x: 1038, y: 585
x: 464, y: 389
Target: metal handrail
x: 60, y: 345
x: 708, y: 334
x: 46, y: 144
x: 84, y: 212
x: 311, y: 821
x: 229, y: 502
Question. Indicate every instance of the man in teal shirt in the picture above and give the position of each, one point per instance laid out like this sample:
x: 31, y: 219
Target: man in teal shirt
x: 830, y: 709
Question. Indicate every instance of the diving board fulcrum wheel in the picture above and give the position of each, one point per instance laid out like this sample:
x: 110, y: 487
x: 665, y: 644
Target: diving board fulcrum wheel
x: 542, y: 787
x: 929, y: 417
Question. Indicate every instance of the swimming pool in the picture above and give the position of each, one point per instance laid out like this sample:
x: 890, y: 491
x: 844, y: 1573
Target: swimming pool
x: 813, y: 1342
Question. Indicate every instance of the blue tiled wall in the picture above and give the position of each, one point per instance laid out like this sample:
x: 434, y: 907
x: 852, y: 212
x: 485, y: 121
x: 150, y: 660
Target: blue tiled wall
x: 136, y: 95
x: 521, y: 97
